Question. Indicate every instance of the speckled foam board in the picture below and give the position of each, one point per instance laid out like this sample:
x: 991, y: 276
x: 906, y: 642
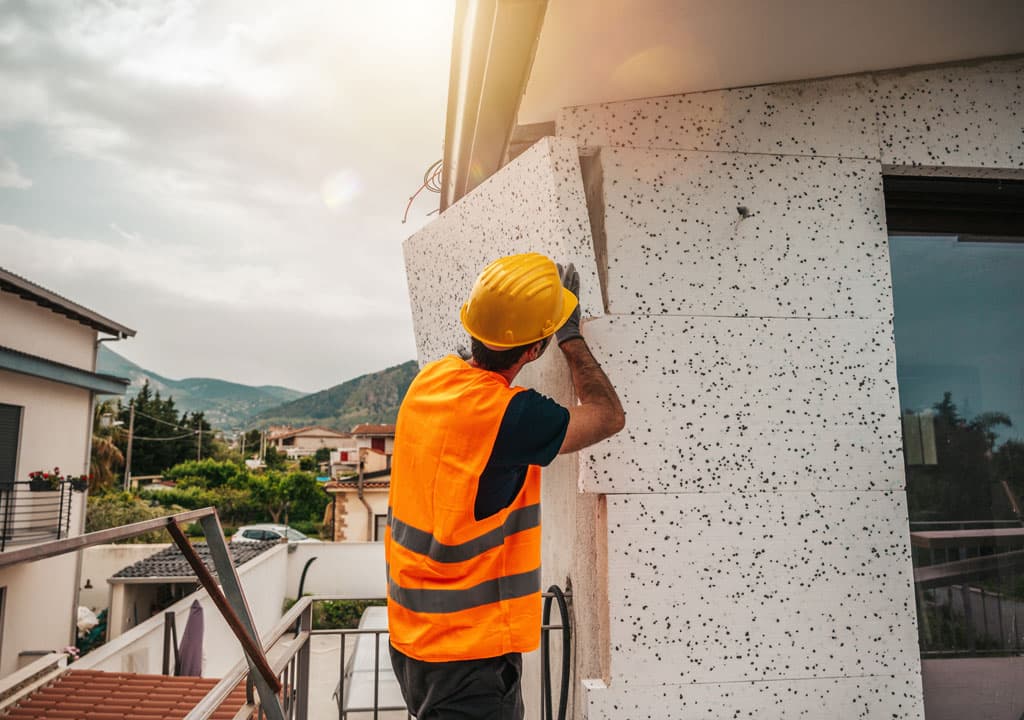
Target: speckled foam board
x: 717, y: 404
x: 809, y: 241
x: 536, y: 203
x: 890, y: 697
x: 822, y: 118
x: 965, y: 116
x: 720, y: 587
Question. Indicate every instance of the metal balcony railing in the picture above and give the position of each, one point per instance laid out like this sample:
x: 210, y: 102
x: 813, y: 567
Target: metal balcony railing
x: 972, y: 607
x: 33, y: 516
x: 287, y: 647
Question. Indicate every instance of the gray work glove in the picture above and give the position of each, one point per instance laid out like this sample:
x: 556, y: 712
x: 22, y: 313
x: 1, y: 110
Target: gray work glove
x: 571, y: 282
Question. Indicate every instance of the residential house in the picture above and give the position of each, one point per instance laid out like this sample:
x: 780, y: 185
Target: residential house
x: 359, y: 505
x: 305, y: 441
x: 372, y: 445
x: 377, y: 437
x: 360, y: 481
x: 753, y: 194
x: 48, y: 385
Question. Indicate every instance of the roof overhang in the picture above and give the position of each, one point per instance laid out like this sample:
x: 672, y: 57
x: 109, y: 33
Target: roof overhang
x: 19, y: 362
x: 28, y: 290
x: 492, y: 50
x: 516, y: 64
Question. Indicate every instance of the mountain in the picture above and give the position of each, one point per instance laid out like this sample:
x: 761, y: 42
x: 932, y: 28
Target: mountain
x: 372, y: 398
x: 227, y: 405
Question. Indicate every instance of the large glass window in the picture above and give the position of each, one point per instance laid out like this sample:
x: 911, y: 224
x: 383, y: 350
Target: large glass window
x: 959, y: 328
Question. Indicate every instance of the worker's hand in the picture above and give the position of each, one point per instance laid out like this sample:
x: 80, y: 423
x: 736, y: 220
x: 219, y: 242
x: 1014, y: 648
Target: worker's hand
x: 571, y: 282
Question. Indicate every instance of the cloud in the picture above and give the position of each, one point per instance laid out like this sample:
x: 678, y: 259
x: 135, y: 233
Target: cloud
x: 244, y: 159
x: 10, y: 175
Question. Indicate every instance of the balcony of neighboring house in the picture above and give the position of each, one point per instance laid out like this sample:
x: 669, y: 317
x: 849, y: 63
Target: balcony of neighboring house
x: 33, y: 512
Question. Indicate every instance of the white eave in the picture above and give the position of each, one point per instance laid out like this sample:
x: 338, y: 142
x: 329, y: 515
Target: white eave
x: 492, y: 50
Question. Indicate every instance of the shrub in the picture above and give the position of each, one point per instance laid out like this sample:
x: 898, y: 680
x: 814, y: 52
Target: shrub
x: 120, y: 508
x: 209, y: 473
x: 338, y: 614
x: 308, y: 527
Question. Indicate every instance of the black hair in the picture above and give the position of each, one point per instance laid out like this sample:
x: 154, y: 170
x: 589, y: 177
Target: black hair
x: 498, y: 360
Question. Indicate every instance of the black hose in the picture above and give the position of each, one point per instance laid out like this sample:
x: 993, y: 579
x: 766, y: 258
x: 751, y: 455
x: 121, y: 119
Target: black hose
x: 302, y: 585
x: 555, y: 592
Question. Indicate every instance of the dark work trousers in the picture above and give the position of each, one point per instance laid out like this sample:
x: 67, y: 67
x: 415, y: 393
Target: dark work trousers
x: 461, y: 690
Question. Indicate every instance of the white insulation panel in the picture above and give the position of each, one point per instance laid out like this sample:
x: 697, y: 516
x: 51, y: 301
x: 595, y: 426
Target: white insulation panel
x: 534, y: 204
x: 725, y: 587
x: 764, y: 404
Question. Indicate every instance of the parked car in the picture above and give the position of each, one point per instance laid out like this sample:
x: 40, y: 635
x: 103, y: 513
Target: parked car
x: 268, y: 531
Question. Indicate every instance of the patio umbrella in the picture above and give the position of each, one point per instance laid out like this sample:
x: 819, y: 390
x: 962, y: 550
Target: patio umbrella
x: 191, y: 650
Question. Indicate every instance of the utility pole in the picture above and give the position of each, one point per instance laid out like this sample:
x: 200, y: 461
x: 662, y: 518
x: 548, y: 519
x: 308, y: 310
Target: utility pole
x: 199, y: 444
x: 243, y: 446
x: 128, y: 455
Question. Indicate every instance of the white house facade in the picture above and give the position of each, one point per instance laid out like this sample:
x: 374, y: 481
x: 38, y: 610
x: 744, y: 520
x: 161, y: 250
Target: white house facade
x: 744, y: 547
x: 47, y: 388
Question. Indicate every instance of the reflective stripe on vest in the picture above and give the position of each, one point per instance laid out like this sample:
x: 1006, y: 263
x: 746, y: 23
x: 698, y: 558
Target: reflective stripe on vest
x: 508, y: 587
x: 422, y: 542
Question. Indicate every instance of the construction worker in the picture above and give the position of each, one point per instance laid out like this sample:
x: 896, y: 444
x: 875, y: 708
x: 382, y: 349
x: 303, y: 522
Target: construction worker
x: 463, y: 539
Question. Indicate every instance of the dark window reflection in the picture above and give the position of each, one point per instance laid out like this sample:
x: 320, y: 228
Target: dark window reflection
x: 959, y: 326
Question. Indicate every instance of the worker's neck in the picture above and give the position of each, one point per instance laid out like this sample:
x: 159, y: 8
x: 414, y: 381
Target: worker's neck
x: 509, y: 374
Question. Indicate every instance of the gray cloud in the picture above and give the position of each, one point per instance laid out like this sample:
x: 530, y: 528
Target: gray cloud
x: 243, y: 164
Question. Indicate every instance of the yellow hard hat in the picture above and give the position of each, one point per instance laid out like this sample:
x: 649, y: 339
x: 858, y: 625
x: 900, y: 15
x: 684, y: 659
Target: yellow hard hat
x: 517, y: 300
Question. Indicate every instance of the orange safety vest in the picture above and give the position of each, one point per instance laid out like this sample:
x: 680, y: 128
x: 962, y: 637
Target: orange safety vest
x: 458, y: 588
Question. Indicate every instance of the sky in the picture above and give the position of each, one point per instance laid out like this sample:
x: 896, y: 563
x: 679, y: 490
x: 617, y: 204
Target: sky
x: 226, y: 177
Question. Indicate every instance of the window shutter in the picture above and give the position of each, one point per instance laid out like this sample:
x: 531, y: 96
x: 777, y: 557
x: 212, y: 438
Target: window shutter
x: 10, y: 425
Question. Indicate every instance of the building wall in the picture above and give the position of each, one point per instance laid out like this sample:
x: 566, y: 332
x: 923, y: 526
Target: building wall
x: 353, y: 570
x: 351, y: 522
x: 756, y: 509
x: 35, y: 330
x: 100, y: 562
x: 741, y: 549
x: 55, y: 432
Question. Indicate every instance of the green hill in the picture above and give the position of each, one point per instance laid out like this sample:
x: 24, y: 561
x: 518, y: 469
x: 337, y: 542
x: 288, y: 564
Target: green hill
x: 372, y: 398
x: 227, y: 405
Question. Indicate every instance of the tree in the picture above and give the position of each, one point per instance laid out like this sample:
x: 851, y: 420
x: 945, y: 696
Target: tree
x: 209, y: 473
x: 960, y: 485
x: 274, y: 460
x: 298, y: 493
x: 106, y: 460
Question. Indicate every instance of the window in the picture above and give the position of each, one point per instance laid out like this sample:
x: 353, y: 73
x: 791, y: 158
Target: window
x: 958, y: 296
x: 10, y: 427
x: 377, y: 443
x: 380, y: 522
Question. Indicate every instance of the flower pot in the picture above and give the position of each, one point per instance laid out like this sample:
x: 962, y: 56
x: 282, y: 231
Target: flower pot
x: 41, y: 485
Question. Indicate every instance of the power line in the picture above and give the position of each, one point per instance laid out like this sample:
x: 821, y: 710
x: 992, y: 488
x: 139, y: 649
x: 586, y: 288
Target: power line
x: 164, y: 439
x: 173, y: 425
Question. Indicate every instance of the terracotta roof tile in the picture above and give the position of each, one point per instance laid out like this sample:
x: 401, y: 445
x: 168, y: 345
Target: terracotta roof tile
x: 97, y: 695
x: 371, y: 429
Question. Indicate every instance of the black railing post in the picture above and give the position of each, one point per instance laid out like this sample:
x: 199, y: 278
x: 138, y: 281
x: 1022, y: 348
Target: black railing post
x: 170, y: 642
x: 7, y: 498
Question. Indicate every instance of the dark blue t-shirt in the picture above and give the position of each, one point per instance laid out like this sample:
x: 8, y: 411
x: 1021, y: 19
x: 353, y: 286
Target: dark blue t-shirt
x: 531, y: 433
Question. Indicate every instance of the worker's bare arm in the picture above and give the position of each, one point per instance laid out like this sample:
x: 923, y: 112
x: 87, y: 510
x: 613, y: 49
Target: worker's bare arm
x: 599, y: 414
